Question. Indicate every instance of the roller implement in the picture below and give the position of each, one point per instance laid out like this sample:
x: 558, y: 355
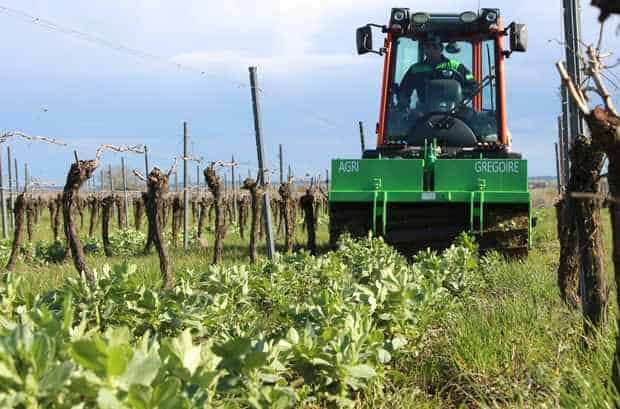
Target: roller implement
x: 443, y: 162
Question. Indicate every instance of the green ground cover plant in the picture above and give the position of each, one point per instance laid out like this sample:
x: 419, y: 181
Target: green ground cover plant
x: 358, y: 327
x: 300, y: 330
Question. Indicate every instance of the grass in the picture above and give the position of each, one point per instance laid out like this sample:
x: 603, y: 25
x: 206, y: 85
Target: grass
x: 510, y: 342
x: 40, y: 277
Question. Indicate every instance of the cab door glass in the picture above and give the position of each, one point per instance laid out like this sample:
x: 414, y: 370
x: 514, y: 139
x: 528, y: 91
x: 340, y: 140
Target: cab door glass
x: 486, y: 123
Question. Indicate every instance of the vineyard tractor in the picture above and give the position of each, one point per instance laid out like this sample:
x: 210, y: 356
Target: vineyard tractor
x: 443, y: 162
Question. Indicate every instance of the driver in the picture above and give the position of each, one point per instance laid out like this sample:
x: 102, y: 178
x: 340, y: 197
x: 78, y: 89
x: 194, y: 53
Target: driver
x: 420, y: 73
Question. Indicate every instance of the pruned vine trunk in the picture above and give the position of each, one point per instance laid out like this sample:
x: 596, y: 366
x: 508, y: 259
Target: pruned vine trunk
x: 194, y: 206
x: 120, y: 212
x: 177, y: 218
x: 79, y: 172
x: 19, y: 209
x: 157, y: 185
x: 79, y: 207
x: 568, y: 268
x: 30, y: 216
x: 57, y: 214
x: 605, y: 130
x: 138, y: 211
x: 93, y: 203
x: 202, y: 217
x: 254, y: 190
x: 586, y: 164
x: 242, y: 209
x: 106, y: 214
x: 215, y: 186
x: 307, y: 205
x: 51, y: 206
x: 287, y: 210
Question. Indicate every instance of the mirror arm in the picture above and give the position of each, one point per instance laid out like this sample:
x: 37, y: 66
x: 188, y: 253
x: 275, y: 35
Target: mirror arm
x: 383, y: 28
x: 508, y: 29
x: 381, y: 51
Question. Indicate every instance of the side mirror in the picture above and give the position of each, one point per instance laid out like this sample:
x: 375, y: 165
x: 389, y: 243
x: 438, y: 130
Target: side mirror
x: 518, y: 38
x: 364, y: 40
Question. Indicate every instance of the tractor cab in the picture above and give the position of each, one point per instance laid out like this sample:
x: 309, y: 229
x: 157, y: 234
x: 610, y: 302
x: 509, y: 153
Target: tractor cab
x: 443, y: 162
x: 443, y: 79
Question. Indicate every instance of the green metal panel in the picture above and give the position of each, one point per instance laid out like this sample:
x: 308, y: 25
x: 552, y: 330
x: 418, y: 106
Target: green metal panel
x: 497, y: 175
x: 430, y: 197
x: 377, y: 174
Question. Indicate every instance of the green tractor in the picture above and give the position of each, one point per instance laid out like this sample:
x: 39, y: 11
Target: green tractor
x: 443, y: 162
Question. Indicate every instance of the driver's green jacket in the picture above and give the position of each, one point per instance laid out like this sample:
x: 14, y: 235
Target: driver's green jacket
x: 418, y: 74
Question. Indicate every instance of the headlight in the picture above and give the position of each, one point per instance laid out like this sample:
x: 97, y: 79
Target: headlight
x: 491, y: 17
x: 399, y: 15
x: 468, y: 17
x: 420, y: 18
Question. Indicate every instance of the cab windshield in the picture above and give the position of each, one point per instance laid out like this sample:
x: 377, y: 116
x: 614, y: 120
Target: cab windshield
x: 435, y: 95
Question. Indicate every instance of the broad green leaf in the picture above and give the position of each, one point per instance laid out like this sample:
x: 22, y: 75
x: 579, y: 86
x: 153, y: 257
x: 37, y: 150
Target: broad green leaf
x: 141, y: 370
x: 106, y: 399
x: 293, y: 336
x: 362, y: 371
x: 384, y: 356
x: 8, y: 371
x: 91, y: 354
x: 398, y: 342
x: 118, y: 336
x: 41, y: 353
x: 167, y: 395
x: 139, y: 397
x: 188, y: 352
x: 254, y: 360
x: 56, y: 377
x: 67, y: 311
x: 117, y: 358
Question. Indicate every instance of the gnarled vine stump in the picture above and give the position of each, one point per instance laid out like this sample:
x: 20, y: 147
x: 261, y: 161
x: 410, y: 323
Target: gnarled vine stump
x: 215, y: 186
x: 157, y: 186
x: 19, y: 209
x: 307, y: 205
x: 252, y: 187
x: 79, y: 172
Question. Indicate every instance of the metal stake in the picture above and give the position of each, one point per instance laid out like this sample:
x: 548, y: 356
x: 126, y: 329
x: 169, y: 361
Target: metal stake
x: 26, y: 177
x: 281, y: 159
x: 261, y: 163
x: 572, y: 39
x: 557, y: 167
x: 146, y: 161
x: 16, y: 176
x: 185, y: 187
x: 126, y: 200
x: 362, y: 139
x: 11, y: 203
x: 2, y: 199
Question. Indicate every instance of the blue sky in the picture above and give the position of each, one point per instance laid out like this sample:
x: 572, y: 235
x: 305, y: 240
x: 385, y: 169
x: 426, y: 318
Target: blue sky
x: 315, y: 88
